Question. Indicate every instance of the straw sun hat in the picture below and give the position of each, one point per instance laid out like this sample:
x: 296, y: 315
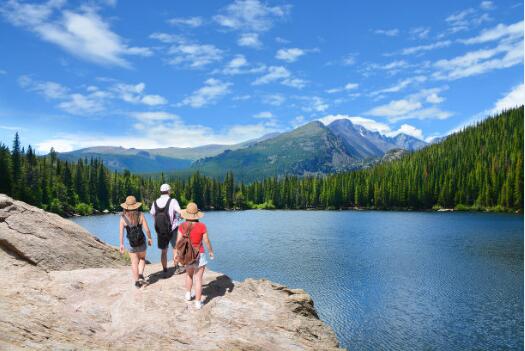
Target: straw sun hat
x: 131, y: 203
x: 191, y: 212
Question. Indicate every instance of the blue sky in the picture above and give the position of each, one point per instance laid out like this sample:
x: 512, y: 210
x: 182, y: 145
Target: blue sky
x: 189, y: 73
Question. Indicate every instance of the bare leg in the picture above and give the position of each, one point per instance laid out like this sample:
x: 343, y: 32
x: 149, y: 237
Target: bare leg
x: 175, y: 261
x: 198, y: 283
x: 189, y: 279
x: 134, y: 265
x: 164, y: 258
x: 142, y: 262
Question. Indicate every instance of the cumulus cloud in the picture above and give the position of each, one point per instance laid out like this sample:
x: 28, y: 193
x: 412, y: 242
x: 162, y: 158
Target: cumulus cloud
x: 250, y: 15
x: 347, y: 87
x: 212, y: 90
x: 279, y: 74
x: 250, y: 40
x: 92, y: 99
x: 83, y: 34
x: 289, y: 55
x: 414, y: 106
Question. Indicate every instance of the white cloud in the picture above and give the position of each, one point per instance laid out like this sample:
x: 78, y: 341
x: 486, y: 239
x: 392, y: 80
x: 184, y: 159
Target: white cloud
x: 421, y: 48
x: 400, y: 85
x: 413, y: 107
x: 239, y: 65
x: 375, y: 126
x: 241, y: 97
x: 314, y: 104
x: 289, y: 55
x: 264, y: 115
x: 250, y: 15
x: 514, y: 98
x: 212, y: 90
x: 190, y: 21
x: 93, y: 100
x: 152, y: 116
x: 487, y: 5
x: 347, y: 87
x: 349, y: 59
x: 388, y: 32
x: 167, y: 38
x: 466, y: 19
x: 273, y: 99
x: 82, y: 34
x: 295, y: 83
x: 506, y: 54
x: 509, y: 32
x: 135, y: 94
x: 250, y: 40
x: 419, y: 32
x: 274, y: 73
x: 281, y: 40
x: 194, y: 55
x: 279, y: 74
x: 297, y: 121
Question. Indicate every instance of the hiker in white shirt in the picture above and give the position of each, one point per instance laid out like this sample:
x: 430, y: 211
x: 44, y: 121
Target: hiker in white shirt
x: 166, y: 214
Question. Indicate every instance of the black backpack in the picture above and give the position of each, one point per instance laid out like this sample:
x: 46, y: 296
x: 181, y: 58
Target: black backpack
x: 162, y: 220
x: 134, y: 233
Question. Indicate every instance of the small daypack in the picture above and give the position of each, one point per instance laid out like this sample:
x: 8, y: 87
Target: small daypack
x: 162, y: 220
x: 134, y: 233
x: 185, y: 250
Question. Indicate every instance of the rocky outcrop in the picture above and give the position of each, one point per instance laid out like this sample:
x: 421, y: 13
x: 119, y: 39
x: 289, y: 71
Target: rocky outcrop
x: 49, y: 241
x: 52, y: 300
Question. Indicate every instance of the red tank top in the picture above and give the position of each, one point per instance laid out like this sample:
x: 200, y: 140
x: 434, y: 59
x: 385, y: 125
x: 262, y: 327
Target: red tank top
x: 197, y: 232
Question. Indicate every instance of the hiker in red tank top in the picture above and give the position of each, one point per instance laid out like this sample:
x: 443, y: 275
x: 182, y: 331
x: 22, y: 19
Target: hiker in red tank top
x: 197, y: 233
x: 198, y: 236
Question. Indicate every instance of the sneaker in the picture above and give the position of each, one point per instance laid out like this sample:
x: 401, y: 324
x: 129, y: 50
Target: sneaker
x: 141, y: 278
x: 138, y: 284
x: 198, y: 305
x: 189, y: 295
x: 164, y: 273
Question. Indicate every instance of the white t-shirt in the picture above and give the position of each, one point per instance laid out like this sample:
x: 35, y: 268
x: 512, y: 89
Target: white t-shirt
x: 173, y: 211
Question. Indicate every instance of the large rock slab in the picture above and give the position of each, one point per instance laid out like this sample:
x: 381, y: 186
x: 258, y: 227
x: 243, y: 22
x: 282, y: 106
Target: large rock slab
x: 49, y: 241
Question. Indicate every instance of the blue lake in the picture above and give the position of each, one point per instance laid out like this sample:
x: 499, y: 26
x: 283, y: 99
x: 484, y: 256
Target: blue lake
x: 382, y: 280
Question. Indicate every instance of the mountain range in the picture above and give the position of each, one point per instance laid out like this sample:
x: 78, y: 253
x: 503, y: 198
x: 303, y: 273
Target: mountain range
x: 314, y: 148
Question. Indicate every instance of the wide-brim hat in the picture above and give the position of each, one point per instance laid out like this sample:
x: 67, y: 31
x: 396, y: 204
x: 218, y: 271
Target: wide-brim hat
x: 191, y: 212
x: 131, y: 203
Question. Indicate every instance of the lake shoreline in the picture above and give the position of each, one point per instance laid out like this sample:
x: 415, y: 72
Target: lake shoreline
x: 395, y: 209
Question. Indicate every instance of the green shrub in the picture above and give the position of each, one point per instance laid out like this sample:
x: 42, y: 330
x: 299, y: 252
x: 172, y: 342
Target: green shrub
x: 56, y: 206
x: 461, y: 207
x: 84, y: 209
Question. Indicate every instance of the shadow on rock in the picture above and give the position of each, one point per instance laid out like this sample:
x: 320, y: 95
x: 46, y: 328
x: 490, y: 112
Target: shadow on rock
x: 155, y: 277
x: 217, y: 288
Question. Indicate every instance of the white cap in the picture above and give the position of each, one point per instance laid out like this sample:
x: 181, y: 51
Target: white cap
x: 165, y: 187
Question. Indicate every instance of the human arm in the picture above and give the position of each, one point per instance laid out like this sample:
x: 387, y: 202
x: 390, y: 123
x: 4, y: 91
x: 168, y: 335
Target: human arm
x: 206, y: 240
x: 121, y: 235
x: 146, y: 228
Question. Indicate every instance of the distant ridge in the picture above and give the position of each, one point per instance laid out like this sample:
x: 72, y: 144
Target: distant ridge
x: 314, y: 148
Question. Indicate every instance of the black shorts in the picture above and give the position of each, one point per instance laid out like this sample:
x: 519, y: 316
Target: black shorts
x: 163, y: 241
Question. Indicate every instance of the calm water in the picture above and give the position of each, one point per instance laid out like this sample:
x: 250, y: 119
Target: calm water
x: 382, y: 280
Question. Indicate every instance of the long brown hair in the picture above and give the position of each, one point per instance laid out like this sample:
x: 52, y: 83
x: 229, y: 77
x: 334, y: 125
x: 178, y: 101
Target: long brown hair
x: 133, y: 216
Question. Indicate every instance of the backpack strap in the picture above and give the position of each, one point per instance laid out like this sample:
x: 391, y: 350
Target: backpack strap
x: 126, y: 220
x: 128, y: 223
x: 167, y: 207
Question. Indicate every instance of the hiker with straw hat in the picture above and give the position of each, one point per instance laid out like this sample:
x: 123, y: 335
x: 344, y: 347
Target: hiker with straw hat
x: 134, y: 222
x: 195, y: 233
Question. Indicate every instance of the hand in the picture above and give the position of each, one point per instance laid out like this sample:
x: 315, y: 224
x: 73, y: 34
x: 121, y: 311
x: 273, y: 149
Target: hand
x: 149, y: 242
x: 121, y: 248
x: 212, y: 256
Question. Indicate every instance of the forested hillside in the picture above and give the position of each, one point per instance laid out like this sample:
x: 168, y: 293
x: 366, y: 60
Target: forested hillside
x: 478, y: 168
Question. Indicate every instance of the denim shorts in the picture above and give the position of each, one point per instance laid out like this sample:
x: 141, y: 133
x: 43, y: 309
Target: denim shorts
x: 199, y: 262
x: 135, y: 249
